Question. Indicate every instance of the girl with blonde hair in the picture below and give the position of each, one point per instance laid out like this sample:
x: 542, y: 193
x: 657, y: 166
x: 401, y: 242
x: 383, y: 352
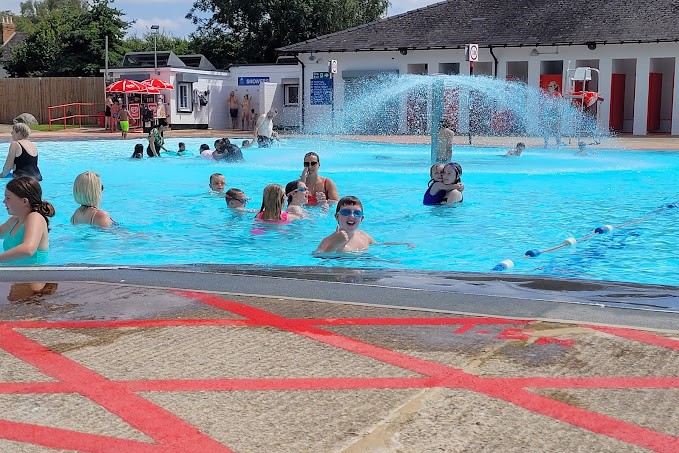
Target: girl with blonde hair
x: 273, y: 201
x: 87, y: 190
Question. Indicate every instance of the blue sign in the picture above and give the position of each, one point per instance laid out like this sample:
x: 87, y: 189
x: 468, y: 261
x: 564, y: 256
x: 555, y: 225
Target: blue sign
x: 251, y: 81
x: 321, y: 91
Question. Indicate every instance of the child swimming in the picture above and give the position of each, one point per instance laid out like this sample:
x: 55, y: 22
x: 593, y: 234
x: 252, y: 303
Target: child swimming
x: 273, y: 200
x: 347, y: 236
x: 217, y: 183
x: 25, y: 233
x: 298, y: 195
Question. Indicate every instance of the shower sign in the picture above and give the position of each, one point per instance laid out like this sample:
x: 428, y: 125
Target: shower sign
x: 321, y: 91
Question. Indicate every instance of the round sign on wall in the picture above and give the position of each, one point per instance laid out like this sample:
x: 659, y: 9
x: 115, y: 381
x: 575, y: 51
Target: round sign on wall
x: 473, y: 52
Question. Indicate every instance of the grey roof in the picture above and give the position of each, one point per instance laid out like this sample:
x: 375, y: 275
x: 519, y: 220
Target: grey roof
x: 166, y: 58
x: 511, y: 23
x: 6, y: 48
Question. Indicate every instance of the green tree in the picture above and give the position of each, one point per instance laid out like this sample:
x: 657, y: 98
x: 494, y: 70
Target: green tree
x: 70, y: 41
x: 164, y: 41
x: 255, y: 28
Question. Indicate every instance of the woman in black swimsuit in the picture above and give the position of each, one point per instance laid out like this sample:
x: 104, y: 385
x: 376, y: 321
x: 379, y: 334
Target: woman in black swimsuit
x: 23, y: 155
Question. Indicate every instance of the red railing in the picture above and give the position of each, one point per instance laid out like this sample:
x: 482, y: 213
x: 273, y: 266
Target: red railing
x: 67, y: 113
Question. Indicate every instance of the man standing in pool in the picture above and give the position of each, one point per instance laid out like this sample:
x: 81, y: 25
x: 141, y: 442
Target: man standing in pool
x: 445, y: 143
x: 264, y: 133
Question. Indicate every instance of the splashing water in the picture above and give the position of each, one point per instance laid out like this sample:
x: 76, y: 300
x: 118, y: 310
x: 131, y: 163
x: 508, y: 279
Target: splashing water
x: 390, y: 104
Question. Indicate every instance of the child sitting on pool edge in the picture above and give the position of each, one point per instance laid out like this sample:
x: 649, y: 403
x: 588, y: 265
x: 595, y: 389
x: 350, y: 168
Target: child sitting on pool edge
x: 347, y: 237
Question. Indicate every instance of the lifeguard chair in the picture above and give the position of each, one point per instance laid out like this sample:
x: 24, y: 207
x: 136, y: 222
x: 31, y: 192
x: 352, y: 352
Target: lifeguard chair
x: 582, y: 98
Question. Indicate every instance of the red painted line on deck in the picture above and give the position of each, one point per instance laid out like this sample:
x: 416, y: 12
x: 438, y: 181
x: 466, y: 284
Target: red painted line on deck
x: 159, y: 424
x: 175, y: 435
x: 124, y: 323
x: 62, y: 439
x: 34, y: 387
x: 591, y: 421
x: 638, y: 335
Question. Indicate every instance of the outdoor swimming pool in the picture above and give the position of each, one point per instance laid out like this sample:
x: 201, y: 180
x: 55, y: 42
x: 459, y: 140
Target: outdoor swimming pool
x: 511, y: 205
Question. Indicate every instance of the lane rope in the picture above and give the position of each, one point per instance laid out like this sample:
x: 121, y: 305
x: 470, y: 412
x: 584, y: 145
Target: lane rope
x: 532, y: 253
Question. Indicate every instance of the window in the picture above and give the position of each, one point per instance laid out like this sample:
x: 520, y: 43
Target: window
x: 184, y: 97
x: 291, y: 95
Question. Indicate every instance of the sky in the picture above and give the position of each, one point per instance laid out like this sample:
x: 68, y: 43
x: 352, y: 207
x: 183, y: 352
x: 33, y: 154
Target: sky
x: 169, y: 14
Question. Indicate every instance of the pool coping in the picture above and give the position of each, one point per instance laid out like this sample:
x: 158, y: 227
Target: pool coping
x: 510, y: 296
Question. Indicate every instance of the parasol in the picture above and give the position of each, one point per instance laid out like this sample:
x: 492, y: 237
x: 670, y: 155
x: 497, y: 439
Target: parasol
x: 126, y: 86
x: 157, y: 83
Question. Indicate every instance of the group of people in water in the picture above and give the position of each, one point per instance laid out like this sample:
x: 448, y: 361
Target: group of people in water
x: 26, y: 233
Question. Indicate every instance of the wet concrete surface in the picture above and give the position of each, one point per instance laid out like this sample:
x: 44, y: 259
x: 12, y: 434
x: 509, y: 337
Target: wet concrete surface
x: 122, y: 366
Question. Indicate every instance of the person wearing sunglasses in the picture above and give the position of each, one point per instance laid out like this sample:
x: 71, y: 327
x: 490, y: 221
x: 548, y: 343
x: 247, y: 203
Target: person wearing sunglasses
x: 347, y: 236
x: 321, y: 190
x: 297, y: 194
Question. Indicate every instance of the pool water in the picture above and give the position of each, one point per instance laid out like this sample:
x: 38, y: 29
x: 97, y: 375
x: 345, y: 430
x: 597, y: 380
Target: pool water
x: 511, y: 205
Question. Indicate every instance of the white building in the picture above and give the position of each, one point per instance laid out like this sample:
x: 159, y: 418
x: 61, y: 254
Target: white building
x: 199, y: 98
x: 633, y: 45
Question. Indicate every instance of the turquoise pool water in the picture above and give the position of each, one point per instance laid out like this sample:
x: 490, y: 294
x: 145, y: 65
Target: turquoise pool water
x: 511, y: 205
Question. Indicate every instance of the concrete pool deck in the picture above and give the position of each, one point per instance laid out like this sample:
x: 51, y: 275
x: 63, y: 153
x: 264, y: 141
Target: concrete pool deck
x: 241, y: 358
x: 259, y: 360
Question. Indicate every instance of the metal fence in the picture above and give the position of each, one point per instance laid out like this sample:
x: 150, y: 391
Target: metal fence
x: 34, y: 95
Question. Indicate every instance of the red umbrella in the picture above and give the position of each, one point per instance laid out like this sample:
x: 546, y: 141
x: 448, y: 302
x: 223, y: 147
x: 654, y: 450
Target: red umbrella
x: 126, y: 86
x: 151, y: 90
x: 157, y: 83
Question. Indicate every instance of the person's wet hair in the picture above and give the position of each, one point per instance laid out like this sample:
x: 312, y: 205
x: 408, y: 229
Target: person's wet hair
x: 29, y: 188
x: 348, y: 200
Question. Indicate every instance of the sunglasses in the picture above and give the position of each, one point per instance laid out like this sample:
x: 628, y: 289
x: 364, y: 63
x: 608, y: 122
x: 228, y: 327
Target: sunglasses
x: 313, y: 164
x: 299, y: 189
x: 348, y: 212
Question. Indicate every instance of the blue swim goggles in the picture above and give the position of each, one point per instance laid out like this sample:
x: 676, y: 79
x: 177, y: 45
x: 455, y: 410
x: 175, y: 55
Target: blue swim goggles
x: 348, y: 212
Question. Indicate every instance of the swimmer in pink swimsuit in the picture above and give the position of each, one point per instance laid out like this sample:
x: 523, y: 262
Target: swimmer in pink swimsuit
x: 273, y: 201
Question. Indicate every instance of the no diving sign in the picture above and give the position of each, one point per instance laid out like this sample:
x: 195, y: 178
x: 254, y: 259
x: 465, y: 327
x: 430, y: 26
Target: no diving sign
x: 472, y: 52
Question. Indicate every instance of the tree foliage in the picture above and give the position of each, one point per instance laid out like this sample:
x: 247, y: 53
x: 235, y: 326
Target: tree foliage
x: 69, y: 40
x: 164, y: 41
x: 255, y: 28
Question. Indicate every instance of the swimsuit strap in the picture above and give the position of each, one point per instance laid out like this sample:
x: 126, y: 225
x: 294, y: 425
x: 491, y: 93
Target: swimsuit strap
x: 93, y: 214
x: 13, y: 226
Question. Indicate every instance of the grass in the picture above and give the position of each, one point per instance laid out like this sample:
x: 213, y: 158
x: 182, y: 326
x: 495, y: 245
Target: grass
x: 58, y: 127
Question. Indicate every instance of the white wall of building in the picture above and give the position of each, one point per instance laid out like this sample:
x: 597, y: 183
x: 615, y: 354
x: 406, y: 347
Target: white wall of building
x: 215, y: 115
x: 635, y: 60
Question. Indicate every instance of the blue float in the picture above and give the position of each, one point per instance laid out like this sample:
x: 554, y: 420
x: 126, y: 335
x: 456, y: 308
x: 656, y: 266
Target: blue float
x: 533, y: 253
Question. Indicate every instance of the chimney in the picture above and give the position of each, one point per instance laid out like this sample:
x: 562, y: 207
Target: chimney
x: 8, y: 29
